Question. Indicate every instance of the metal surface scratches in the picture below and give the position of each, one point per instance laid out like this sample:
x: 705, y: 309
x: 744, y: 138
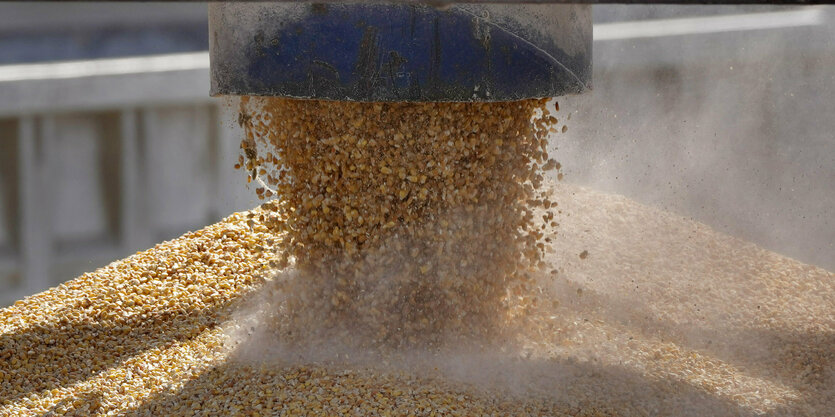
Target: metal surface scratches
x: 389, y: 52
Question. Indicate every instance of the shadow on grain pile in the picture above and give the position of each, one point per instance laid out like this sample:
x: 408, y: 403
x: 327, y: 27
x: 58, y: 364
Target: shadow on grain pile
x: 234, y: 379
x: 70, y: 341
x: 566, y: 385
x: 794, y: 357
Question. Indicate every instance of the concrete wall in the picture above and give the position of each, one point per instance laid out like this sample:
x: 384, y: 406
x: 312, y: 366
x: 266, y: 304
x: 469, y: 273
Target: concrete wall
x: 81, y: 189
x: 735, y: 130
x: 104, y: 158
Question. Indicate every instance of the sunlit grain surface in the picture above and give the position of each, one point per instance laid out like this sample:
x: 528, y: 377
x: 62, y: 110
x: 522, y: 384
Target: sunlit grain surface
x: 663, y: 317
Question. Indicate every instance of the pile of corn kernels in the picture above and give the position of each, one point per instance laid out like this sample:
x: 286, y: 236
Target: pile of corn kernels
x: 663, y: 316
x: 405, y: 264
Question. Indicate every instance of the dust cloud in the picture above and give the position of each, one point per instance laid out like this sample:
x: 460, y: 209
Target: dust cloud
x: 695, y: 171
x: 732, y: 129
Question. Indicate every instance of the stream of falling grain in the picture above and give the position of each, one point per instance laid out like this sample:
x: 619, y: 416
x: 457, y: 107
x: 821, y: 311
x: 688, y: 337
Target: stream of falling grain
x: 405, y: 224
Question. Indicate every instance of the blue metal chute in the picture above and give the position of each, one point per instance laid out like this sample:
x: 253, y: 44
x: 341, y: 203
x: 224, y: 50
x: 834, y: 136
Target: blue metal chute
x: 400, y: 52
